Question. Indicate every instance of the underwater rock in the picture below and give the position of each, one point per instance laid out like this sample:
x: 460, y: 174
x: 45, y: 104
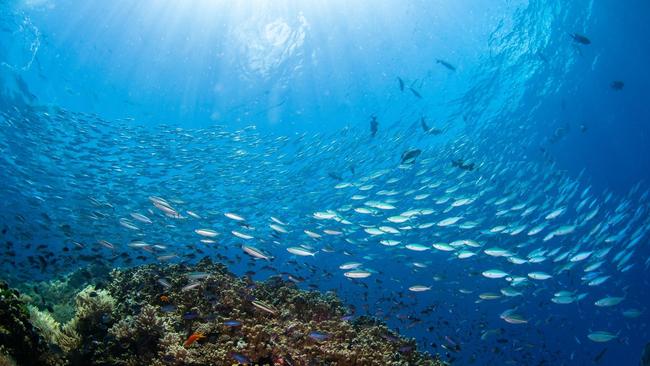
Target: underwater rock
x: 200, y: 315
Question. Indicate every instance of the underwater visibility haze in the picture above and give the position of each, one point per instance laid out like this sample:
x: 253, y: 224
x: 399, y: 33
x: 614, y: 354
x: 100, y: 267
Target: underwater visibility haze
x: 214, y: 182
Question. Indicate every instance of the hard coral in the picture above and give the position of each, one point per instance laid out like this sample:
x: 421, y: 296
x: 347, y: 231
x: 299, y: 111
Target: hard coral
x: 276, y: 330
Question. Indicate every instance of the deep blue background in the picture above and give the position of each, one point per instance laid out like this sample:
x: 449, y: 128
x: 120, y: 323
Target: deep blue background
x: 295, y: 66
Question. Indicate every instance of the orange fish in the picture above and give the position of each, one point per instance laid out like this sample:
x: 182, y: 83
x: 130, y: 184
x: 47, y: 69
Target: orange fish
x: 164, y: 298
x: 193, y: 338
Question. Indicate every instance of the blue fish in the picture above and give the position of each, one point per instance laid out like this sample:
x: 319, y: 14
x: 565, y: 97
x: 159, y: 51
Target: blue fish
x: 241, y: 359
x: 169, y: 308
x: 232, y: 323
x: 318, y: 336
x: 190, y: 315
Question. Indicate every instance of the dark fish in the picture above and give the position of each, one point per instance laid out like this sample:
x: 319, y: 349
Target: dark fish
x: 406, y: 349
x: 409, y: 156
x: 168, y: 308
x: 617, y: 85
x: 446, y: 64
x: 373, y: 126
x: 427, y: 129
x: 415, y: 93
x: 579, y: 38
x: 459, y: 163
x: 190, y: 315
x: 600, y: 355
x: 424, y: 125
x: 334, y: 176
x: 401, y: 83
x: 169, y: 359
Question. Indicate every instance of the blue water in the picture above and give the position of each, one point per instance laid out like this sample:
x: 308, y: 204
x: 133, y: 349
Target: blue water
x: 263, y: 109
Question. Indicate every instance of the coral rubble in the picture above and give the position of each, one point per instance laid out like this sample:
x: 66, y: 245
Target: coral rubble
x: 204, y: 315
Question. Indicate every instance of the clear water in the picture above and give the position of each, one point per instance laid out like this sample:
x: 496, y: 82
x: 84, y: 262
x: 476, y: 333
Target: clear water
x: 263, y: 109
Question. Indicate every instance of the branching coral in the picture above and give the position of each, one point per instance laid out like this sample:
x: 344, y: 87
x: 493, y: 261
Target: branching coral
x: 65, y: 336
x: 48, y: 326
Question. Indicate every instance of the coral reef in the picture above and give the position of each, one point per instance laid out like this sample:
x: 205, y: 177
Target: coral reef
x: 204, y: 315
x: 20, y: 341
x: 57, y: 296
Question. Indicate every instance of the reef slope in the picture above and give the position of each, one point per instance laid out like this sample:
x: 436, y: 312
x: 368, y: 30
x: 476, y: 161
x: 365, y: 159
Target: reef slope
x: 199, y: 315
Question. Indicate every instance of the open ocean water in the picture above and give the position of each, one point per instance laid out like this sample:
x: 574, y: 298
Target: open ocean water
x: 475, y: 174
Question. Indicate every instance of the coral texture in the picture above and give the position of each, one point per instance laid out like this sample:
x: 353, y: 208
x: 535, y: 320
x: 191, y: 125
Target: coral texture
x: 204, y: 315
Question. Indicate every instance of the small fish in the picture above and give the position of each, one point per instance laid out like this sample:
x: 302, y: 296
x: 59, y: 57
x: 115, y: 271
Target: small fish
x: 494, y: 273
x: 419, y: 288
x: 609, y: 301
x: 141, y: 218
x: 357, y: 273
x: 617, y: 85
x: 350, y: 265
x: 189, y: 287
x: 416, y: 247
x: 233, y: 216
x: 208, y: 233
x: 539, y: 275
x: 601, y: 336
x: 579, y: 38
x: 318, y: 336
x: 193, y: 338
x: 513, y: 318
x: 302, y: 252
x: 580, y: 256
x: 164, y: 283
x: 632, y: 313
x: 169, y: 308
x: 190, y: 315
x: 449, y: 221
x: 255, y: 253
x: 443, y: 247
x: 241, y: 235
x: 414, y: 92
x: 408, y: 157
x: 232, y: 323
x: 489, y: 296
x: 241, y: 359
x: 264, y: 307
x: 446, y: 64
